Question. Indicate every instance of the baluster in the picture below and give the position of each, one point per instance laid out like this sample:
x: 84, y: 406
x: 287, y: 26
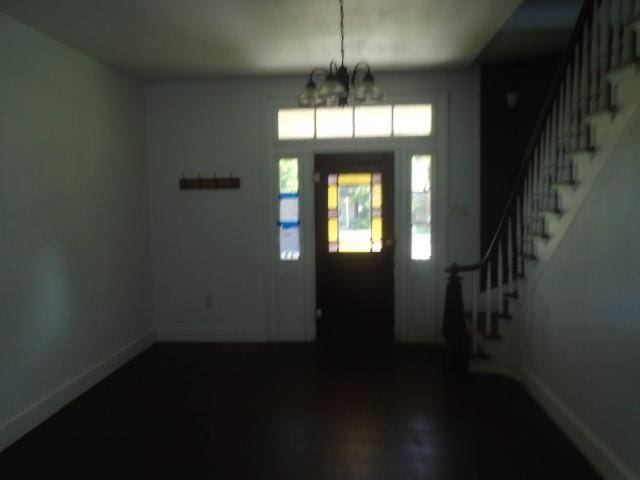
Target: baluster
x: 538, y: 180
x: 525, y: 212
x: 546, y: 183
x: 566, y: 145
x: 627, y: 32
x: 595, y: 65
x: 530, y: 206
x: 558, y: 135
x: 527, y: 207
x: 487, y: 323
x: 553, y: 144
x: 500, y: 277
x: 474, y: 312
x: 543, y: 169
x: 534, y: 191
x: 636, y: 16
x: 605, y: 54
x: 510, y: 279
x: 575, y: 110
x: 616, y: 46
x: 583, y: 136
x: 519, y: 245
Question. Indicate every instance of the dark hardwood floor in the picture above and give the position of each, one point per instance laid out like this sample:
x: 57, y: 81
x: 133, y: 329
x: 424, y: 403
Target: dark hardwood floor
x: 296, y: 412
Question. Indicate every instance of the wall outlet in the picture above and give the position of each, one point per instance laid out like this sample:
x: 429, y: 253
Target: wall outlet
x: 208, y: 302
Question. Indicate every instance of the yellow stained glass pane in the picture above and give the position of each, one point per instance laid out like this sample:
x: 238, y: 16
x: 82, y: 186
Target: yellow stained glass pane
x: 346, y: 246
x: 333, y: 229
x: 354, y: 179
x: 376, y: 229
x: 376, y: 200
x: 332, y: 198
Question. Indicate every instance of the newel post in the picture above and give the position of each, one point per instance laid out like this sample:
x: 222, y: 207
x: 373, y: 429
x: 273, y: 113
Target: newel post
x: 454, y: 329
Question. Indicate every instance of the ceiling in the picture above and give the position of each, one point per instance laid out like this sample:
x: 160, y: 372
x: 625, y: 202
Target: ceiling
x: 537, y: 28
x: 191, y: 39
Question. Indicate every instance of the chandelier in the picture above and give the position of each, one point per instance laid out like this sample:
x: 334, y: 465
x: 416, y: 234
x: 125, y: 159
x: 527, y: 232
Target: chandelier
x: 340, y: 88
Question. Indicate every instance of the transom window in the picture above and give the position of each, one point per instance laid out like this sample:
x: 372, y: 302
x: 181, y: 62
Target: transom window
x: 381, y: 121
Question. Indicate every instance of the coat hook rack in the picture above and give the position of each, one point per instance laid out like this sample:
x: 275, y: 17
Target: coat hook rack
x: 209, y: 183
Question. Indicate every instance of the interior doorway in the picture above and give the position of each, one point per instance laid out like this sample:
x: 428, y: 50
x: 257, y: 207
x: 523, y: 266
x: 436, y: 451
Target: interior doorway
x: 354, y: 247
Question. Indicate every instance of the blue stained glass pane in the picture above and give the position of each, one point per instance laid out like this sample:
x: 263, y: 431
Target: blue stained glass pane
x: 289, y: 224
x: 288, y: 195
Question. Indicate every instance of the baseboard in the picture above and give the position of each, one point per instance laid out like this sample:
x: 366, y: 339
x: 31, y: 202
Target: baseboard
x: 42, y: 409
x: 212, y: 334
x: 602, y: 458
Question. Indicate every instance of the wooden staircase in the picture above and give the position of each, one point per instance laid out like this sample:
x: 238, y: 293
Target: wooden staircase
x: 594, y: 98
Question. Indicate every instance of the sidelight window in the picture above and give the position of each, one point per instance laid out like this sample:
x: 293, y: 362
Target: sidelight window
x: 421, y: 207
x: 289, y: 203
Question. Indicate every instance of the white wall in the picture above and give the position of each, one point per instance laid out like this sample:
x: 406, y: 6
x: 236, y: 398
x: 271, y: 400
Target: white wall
x: 73, y: 225
x: 583, y: 320
x: 221, y: 245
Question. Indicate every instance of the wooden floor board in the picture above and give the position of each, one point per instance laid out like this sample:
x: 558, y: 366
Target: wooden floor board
x: 296, y: 412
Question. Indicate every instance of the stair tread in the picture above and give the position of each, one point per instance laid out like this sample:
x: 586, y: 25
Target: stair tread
x: 555, y: 211
x: 609, y: 112
x: 626, y: 70
x: 544, y: 236
x: 565, y: 183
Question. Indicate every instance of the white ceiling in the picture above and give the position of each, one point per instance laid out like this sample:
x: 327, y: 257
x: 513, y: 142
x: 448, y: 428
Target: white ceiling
x: 171, y: 39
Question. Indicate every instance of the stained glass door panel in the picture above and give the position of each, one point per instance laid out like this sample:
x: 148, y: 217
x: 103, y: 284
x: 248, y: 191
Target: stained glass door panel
x: 354, y: 247
x: 354, y: 211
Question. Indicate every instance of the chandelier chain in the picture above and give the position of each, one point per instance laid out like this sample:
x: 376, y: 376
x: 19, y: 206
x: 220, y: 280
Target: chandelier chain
x: 342, y: 31
x: 341, y: 87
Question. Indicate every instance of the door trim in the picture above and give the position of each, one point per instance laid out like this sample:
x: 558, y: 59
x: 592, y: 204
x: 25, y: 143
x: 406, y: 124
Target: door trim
x: 437, y: 145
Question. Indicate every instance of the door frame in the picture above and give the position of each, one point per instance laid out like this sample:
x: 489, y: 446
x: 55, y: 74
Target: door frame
x: 302, y: 273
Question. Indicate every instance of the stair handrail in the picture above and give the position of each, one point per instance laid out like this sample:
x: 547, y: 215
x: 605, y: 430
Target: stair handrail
x: 583, y: 17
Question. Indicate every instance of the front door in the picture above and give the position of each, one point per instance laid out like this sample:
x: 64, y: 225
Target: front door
x: 354, y: 247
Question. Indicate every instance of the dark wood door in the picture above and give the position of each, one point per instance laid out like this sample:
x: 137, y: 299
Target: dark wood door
x: 354, y: 247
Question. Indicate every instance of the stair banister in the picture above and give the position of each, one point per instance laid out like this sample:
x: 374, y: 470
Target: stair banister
x: 563, y: 110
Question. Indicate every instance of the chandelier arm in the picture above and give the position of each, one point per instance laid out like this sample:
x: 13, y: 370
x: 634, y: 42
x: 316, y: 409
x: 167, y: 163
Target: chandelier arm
x: 316, y: 70
x: 333, y: 67
x: 359, y: 68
